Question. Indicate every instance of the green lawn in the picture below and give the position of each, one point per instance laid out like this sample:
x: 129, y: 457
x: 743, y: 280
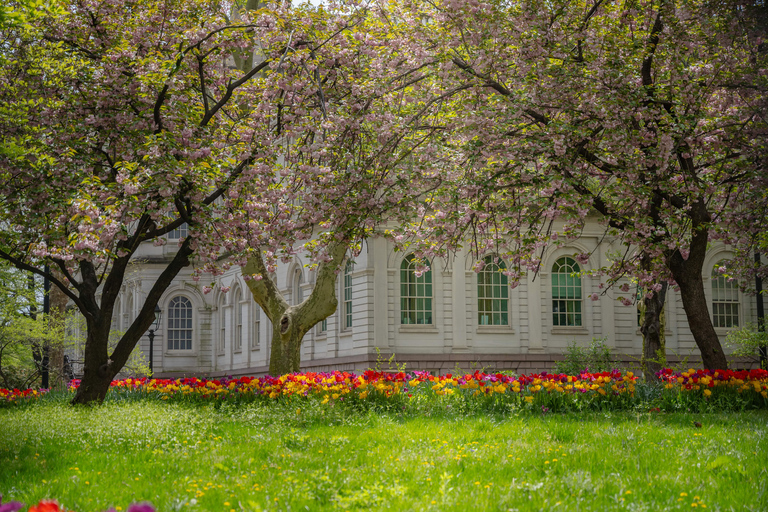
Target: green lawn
x: 183, y: 457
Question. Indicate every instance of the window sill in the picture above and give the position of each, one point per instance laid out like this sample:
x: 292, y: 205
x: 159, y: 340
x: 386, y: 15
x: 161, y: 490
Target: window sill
x: 494, y: 329
x: 256, y: 348
x: 723, y: 331
x: 181, y: 353
x: 418, y: 328
x: 238, y: 351
x: 569, y: 330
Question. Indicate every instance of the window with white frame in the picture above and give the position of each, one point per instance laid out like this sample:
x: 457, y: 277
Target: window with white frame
x: 115, y: 326
x: 238, y: 311
x: 566, y: 293
x: 256, y: 338
x: 297, y: 292
x: 222, y: 323
x: 725, y: 299
x: 179, y: 323
x: 323, y: 327
x: 492, y: 293
x: 128, y: 312
x: 415, y: 294
x: 179, y: 233
x: 347, y: 294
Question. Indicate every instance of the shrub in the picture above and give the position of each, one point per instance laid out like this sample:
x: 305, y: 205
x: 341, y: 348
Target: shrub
x: 595, y: 358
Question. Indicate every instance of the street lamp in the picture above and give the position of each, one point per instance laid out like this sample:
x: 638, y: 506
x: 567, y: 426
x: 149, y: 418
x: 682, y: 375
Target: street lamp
x: 155, y: 326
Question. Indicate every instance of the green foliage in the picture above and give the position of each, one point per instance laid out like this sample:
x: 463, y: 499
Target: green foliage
x: 747, y: 342
x: 595, y: 358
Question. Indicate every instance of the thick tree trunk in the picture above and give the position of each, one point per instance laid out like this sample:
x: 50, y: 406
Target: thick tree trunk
x: 287, y: 336
x: 97, y: 371
x: 654, y: 350
x: 688, y: 275
x: 291, y: 323
x: 699, y: 320
x: 100, y: 367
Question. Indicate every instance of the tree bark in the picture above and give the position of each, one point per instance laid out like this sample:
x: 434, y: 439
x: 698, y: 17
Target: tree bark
x: 291, y: 323
x: 100, y: 367
x: 688, y: 275
x: 654, y: 350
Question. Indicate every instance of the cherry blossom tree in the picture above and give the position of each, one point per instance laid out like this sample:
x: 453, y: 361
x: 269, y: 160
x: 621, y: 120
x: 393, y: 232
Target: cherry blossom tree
x: 649, y: 113
x: 123, y: 120
x: 356, y: 118
x: 261, y: 128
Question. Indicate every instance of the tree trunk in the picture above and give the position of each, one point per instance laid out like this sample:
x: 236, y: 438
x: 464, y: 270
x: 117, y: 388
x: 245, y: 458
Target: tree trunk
x: 291, y: 323
x: 699, y: 321
x: 96, y: 371
x: 654, y: 350
x: 287, y: 335
x: 688, y: 275
x: 100, y: 367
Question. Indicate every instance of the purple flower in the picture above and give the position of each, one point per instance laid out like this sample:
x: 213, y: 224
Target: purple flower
x: 11, y: 506
x: 141, y: 507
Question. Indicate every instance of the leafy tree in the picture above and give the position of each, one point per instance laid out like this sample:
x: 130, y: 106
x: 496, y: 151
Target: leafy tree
x: 650, y: 113
x: 356, y: 117
x: 121, y: 121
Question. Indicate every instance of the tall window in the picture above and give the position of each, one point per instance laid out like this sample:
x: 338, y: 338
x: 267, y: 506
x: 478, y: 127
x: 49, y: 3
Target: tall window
x: 180, y: 232
x: 323, y: 325
x: 238, y: 344
x: 180, y: 324
x: 115, y: 326
x: 222, y: 323
x: 492, y: 293
x: 347, y: 309
x: 128, y: 313
x: 725, y: 300
x: 415, y: 294
x: 298, y: 280
x: 566, y: 293
x: 256, y: 338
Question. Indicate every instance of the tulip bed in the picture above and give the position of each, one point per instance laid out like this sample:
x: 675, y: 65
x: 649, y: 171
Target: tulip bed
x: 696, y: 390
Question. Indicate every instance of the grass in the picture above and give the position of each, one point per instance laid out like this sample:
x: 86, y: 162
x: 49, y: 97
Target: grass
x: 300, y: 455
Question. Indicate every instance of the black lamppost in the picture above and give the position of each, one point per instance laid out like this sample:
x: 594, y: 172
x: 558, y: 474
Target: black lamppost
x: 155, y: 326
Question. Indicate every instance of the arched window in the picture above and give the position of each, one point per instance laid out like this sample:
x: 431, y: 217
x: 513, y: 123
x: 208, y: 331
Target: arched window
x: 415, y: 294
x: 179, y: 233
x: 238, y: 311
x: 180, y: 324
x: 725, y: 299
x: 566, y: 293
x: 347, y: 306
x: 297, y: 292
x: 492, y: 293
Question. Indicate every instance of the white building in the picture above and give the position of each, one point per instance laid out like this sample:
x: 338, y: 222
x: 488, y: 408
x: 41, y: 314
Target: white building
x: 449, y: 317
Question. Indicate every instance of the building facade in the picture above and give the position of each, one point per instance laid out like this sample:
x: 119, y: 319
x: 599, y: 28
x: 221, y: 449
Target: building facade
x: 446, y: 318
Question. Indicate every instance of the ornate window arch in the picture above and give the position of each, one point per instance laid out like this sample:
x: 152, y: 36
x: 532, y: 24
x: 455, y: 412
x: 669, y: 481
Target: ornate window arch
x: 179, y: 323
x: 725, y: 298
x: 566, y: 293
x: 416, y: 294
x: 492, y: 293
